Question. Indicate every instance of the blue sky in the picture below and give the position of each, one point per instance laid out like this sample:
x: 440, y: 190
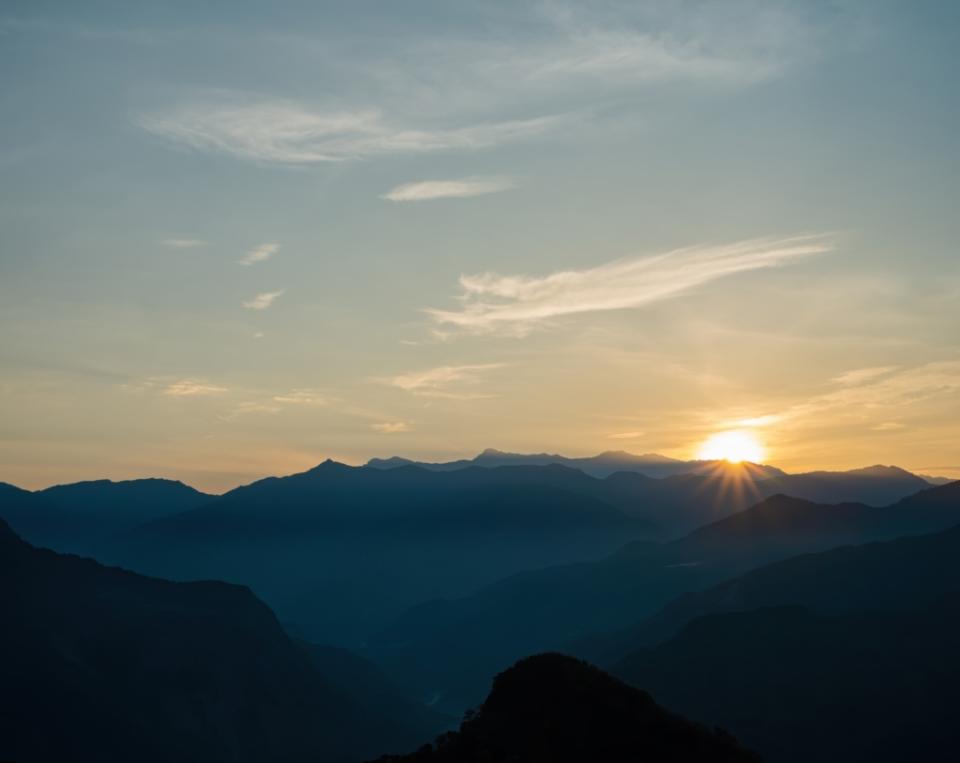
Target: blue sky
x: 237, y: 239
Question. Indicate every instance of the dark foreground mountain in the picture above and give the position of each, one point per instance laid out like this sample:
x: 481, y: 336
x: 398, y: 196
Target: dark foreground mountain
x: 102, y: 664
x: 798, y: 686
x: 552, y: 608
x: 554, y: 709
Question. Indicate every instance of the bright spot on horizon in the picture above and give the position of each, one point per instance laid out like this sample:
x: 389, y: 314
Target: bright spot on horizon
x: 734, y: 447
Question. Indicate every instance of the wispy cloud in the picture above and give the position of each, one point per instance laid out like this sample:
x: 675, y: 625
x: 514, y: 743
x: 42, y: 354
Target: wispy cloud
x: 263, y: 301
x: 193, y: 388
x: 260, y: 253
x: 391, y: 427
x: 515, y: 305
x: 625, y: 435
x: 289, y: 132
x: 248, y: 407
x: 884, y: 392
x: 428, y: 190
x: 860, y: 375
x: 183, y: 243
x: 302, y: 397
x: 434, y: 382
x: 889, y: 426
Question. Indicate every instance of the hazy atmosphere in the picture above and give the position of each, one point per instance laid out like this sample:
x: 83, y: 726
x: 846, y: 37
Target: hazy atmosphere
x: 237, y: 243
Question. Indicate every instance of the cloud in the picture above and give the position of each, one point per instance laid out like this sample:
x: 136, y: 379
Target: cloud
x: 884, y: 392
x: 251, y: 406
x: 729, y: 45
x: 183, y: 243
x: 434, y: 381
x: 302, y: 397
x: 391, y: 427
x: 260, y: 253
x: 263, y: 301
x: 515, y: 305
x: 192, y: 388
x: 427, y: 190
x: 860, y: 375
x: 626, y: 435
x: 289, y: 132
x: 889, y: 426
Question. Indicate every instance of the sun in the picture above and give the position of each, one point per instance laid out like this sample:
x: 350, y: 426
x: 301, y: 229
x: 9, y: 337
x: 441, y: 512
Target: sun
x: 733, y: 446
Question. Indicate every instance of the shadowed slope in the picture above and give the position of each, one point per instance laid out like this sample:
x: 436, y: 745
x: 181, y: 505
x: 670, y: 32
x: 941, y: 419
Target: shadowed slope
x: 102, y: 664
x: 799, y: 686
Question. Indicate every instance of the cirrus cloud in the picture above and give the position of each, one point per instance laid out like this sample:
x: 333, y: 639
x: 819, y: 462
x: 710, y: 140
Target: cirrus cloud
x: 192, y: 388
x: 290, y: 132
x: 515, y: 305
x: 260, y: 254
x: 428, y: 190
x: 263, y: 301
x: 434, y: 382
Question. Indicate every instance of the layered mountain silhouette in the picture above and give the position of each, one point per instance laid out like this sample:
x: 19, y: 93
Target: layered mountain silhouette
x: 874, y: 485
x: 554, y: 709
x: 103, y: 664
x: 901, y: 574
x: 79, y: 515
x: 602, y: 465
x: 846, y: 655
x: 557, y: 607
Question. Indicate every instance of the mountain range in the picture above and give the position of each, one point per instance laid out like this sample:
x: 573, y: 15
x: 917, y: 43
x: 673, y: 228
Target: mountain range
x: 557, y: 607
x: 731, y: 605
x: 366, y: 542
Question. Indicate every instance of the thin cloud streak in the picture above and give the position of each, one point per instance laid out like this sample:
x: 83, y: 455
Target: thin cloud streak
x: 183, y: 243
x: 260, y: 254
x: 391, y: 427
x: 884, y: 392
x: 302, y: 397
x: 515, y: 305
x: 263, y: 301
x: 192, y: 388
x: 289, y: 132
x: 434, y: 382
x: 428, y: 190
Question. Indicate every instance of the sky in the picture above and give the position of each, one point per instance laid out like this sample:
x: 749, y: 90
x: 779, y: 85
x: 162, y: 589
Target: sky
x: 239, y: 238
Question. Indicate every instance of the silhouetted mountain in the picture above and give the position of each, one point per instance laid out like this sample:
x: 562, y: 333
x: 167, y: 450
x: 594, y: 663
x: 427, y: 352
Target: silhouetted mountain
x: 798, y: 686
x: 555, y: 607
x: 104, y: 664
x: 334, y: 495
x: 893, y: 575
x: 340, y: 550
x: 874, y: 485
x: 554, y: 709
x: 74, y: 516
x: 601, y: 465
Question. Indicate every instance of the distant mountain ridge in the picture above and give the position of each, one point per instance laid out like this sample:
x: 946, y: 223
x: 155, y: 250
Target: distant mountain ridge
x: 601, y: 465
x: 81, y: 513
